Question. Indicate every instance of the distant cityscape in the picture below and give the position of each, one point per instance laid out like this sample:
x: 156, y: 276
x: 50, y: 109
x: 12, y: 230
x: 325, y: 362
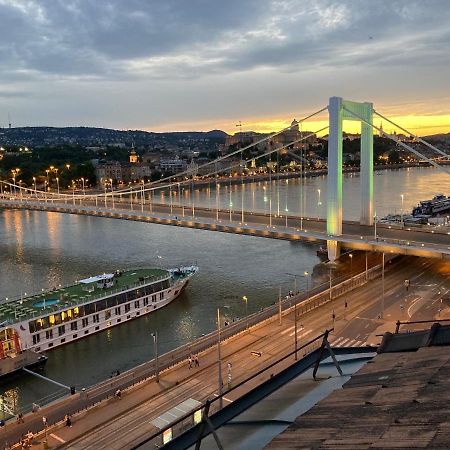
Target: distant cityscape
x: 81, y: 157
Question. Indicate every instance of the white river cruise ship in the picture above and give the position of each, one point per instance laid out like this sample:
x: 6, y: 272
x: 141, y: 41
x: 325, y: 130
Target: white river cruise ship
x: 47, y: 320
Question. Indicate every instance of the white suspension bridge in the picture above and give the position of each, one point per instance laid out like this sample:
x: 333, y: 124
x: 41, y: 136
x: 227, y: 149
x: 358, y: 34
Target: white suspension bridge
x: 137, y: 203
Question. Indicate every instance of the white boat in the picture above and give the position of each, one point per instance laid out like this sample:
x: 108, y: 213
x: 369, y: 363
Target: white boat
x: 49, y: 319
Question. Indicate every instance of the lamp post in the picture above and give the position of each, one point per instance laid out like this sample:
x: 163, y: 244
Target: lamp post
x: 217, y: 201
x: 246, y: 310
x: 382, y: 286
x: 142, y: 196
x: 402, y: 196
x: 319, y: 203
x: 155, y: 350
x: 84, y: 191
x: 112, y: 192
x: 35, y: 190
x: 219, y: 360
x: 306, y: 275
x: 375, y: 225
x: 351, y: 269
x: 57, y: 184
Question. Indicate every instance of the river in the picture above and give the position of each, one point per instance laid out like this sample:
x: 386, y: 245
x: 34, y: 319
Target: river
x: 41, y: 250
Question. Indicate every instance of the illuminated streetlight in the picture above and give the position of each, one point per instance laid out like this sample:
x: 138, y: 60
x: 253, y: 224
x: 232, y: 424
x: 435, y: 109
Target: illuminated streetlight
x: 246, y: 310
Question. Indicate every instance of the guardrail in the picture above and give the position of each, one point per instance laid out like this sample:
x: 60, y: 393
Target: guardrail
x: 399, y: 323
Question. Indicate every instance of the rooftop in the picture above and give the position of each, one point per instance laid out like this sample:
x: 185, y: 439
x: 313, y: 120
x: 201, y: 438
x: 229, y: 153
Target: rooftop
x: 61, y: 298
x: 399, y: 399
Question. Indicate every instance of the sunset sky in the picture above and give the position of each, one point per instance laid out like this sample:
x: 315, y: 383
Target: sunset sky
x: 205, y: 64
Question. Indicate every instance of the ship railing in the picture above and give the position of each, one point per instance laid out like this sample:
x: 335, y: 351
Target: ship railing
x: 76, y: 301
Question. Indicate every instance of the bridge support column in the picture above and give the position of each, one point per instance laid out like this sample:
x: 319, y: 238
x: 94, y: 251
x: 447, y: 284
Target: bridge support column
x: 367, y: 166
x: 340, y: 110
x: 334, y: 187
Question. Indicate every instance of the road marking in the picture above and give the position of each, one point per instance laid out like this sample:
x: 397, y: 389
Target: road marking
x: 53, y: 435
x: 343, y: 342
x: 301, y: 334
x: 412, y: 304
x: 337, y: 340
x: 288, y: 329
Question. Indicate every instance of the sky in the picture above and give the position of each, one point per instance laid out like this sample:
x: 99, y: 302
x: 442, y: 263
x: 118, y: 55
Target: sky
x: 176, y: 65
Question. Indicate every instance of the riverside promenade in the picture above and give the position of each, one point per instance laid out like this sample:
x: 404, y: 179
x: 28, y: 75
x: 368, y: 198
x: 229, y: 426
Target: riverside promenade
x: 103, y: 421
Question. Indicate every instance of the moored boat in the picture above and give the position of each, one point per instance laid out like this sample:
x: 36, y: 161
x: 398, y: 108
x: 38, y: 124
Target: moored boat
x: 62, y: 315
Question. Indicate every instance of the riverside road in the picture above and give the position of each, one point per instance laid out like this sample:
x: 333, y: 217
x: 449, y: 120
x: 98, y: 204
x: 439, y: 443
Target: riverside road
x: 119, y: 424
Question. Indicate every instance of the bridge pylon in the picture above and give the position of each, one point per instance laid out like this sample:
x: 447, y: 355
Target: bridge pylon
x: 338, y: 111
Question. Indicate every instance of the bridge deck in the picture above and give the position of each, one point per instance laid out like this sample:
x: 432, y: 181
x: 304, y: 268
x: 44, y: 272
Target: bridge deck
x: 426, y: 242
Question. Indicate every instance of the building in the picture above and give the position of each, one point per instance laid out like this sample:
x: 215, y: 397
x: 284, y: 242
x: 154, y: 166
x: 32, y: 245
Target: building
x: 132, y: 172
x: 172, y: 165
x: 109, y: 170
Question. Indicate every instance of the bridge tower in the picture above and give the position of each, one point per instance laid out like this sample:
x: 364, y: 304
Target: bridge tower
x: 340, y: 110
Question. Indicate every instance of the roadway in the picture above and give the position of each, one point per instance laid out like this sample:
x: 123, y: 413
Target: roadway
x: 427, y: 241
x: 116, y: 424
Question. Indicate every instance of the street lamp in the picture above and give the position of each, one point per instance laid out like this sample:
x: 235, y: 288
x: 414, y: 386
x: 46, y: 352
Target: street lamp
x: 219, y: 359
x: 112, y: 192
x: 217, y: 201
x: 155, y: 350
x: 82, y: 181
x: 246, y: 310
x: 351, y: 268
x: 382, y: 286
x: 306, y: 275
x: 57, y: 184
x: 402, y: 196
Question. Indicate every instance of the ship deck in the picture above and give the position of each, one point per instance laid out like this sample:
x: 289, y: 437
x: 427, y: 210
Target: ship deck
x: 58, y: 299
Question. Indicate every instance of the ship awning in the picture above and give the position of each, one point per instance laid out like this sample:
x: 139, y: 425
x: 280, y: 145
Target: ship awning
x: 97, y: 278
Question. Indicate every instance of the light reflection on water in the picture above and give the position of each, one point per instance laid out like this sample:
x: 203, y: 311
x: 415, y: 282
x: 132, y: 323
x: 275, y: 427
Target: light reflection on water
x: 39, y: 250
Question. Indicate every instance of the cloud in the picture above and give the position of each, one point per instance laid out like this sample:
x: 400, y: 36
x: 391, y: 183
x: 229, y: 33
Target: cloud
x: 113, y: 39
x: 147, y: 62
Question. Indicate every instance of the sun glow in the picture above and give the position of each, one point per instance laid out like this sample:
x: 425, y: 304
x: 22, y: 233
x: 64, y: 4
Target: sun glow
x: 422, y: 124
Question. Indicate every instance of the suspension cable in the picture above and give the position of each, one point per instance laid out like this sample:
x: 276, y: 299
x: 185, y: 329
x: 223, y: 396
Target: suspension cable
x: 221, y: 158
x: 399, y: 142
x: 412, y: 134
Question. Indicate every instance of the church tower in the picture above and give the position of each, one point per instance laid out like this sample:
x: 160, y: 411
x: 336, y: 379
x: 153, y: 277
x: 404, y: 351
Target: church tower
x: 133, y: 155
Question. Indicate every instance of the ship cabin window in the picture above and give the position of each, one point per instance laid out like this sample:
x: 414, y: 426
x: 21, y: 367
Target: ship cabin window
x: 62, y: 341
x: 85, y: 322
x: 117, y: 311
x: 161, y: 295
x: 137, y: 304
x: 36, y: 338
x: 127, y: 307
x: 107, y: 314
x: 96, y: 318
x: 61, y: 330
x: 146, y: 301
x: 95, y: 307
x: 49, y: 334
x: 74, y: 326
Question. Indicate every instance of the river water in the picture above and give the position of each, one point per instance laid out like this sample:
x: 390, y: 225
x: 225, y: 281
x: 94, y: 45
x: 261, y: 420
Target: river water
x: 41, y: 250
